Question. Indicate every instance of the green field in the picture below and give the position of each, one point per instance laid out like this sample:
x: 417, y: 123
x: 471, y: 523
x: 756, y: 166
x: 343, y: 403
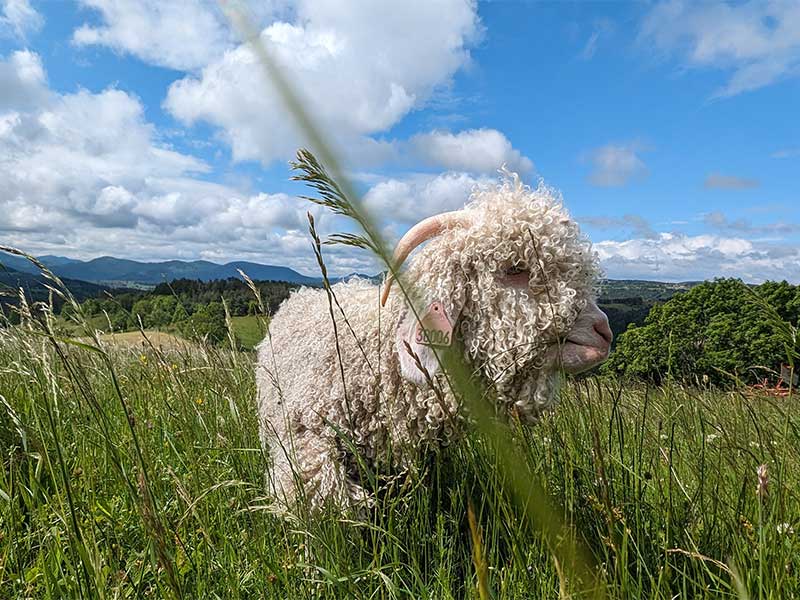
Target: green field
x: 249, y: 330
x: 136, y: 472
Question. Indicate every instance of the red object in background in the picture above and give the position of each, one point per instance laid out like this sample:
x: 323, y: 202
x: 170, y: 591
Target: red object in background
x: 786, y: 383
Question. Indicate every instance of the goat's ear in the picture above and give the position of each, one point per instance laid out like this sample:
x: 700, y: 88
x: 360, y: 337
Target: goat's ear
x: 417, y: 339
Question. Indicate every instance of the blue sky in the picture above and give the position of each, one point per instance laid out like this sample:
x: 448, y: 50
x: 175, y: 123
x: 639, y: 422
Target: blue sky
x: 143, y: 129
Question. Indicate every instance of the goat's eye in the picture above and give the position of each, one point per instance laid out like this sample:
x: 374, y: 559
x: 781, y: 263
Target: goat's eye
x: 516, y: 276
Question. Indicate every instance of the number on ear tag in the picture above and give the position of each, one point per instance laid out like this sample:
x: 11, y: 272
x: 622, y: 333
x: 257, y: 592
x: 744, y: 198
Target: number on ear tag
x: 434, y: 328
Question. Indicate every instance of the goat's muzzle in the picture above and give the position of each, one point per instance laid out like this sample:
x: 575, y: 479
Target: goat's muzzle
x: 587, y: 344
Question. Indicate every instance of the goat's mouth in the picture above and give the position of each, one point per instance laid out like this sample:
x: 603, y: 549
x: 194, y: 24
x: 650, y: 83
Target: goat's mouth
x: 578, y: 353
x: 575, y: 357
x: 586, y: 345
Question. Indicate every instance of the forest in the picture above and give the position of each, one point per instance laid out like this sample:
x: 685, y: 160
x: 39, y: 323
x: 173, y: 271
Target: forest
x: 192, y: 308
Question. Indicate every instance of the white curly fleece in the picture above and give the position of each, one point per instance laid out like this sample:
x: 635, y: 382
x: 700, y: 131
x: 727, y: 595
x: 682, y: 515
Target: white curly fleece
x: 376, y: 395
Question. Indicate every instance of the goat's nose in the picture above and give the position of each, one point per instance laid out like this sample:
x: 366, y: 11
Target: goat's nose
x: 602, y: 328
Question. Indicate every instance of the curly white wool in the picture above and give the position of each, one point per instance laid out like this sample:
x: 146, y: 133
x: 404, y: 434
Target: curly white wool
x: 306, y: 394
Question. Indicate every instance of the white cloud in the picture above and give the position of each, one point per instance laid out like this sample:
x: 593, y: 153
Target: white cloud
x: 22, y: 80
x: 473, y: 150
x: 758, y: 41
x: 19, y: 18
x: 84, y: 175
x: 180, y: 34
x: 409, y: 200
x: 729, y: 182
x: 357, y: 66
x: 679, y: 257
x: 615, y: 165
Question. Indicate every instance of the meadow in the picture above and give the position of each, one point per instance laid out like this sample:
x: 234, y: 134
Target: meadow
x: 135, y: 470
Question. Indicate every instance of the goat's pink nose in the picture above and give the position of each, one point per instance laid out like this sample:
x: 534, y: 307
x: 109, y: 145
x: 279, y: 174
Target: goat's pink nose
x: 602, y: 328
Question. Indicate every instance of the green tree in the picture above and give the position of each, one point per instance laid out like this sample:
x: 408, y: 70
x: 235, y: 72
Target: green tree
x: 208, y: 323
x: 714, y: 330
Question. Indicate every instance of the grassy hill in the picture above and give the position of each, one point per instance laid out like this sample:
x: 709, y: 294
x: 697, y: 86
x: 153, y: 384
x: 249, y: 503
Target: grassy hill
x: 249, y: 330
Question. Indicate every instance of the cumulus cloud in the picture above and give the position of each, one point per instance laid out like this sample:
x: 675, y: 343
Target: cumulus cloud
x: 679, y: 257
x: 731, y: 248
x: 84, y: 174
x: 409, y: 200
x: 757, y: 41
x: 179, y: 34
x: 22, y: 80
x: 716, y: 181
x: 616, y: 165
x: 19, y: 18
x: 474, y: 150
x: 357, y: 67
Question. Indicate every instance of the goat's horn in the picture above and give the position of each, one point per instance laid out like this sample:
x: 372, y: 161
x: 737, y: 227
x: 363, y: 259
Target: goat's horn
x: 419, y: 233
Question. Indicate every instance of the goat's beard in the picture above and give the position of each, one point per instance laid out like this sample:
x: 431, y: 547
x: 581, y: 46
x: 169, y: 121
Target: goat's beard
x: 516, y: 366
x: 525, y: 390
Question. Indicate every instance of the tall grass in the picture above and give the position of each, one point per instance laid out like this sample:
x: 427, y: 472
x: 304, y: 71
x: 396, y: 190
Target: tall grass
x: 659, y: 483
x: 137, y: 472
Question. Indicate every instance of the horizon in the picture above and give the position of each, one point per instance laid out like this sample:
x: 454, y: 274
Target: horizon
x: 146, y: 128
x: 316, y: 276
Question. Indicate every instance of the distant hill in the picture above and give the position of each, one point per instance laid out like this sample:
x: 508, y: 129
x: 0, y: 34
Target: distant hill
x: 627, y: 301
x: 611, y: 289
x: 55, y: 261
x: 624, y: 300
x: 111, y: 271
x: 23, y: 265
x: 118, y: 272
x: 34, y: 286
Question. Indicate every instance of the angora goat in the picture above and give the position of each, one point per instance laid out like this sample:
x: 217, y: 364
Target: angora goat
x: 509, y: 278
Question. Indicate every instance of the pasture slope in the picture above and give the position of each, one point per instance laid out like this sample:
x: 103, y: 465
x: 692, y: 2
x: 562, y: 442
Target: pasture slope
x: 134, y: 471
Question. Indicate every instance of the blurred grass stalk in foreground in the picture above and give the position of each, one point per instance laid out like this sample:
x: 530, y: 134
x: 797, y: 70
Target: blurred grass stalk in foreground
x: 340, y: 196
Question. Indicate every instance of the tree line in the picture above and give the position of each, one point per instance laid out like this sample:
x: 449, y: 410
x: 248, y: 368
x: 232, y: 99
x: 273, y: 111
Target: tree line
x: 193, y: 308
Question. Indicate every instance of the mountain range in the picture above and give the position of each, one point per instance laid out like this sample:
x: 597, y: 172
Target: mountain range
x: 118, y: 272
x: 108, y: 271
x: 624, y: 301
x: 35, y: 287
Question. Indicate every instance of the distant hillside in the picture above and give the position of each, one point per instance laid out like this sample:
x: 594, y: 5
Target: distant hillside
x: 35, y: 288
x: 612, y: 289
x: 627, y: 301
x: 118, y: 272
x: 23, y: 265
x: 624, y: 300
x: 108, y: 269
